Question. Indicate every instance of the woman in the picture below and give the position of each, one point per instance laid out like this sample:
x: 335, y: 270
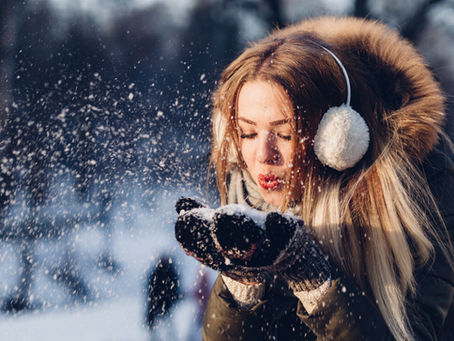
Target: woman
x: 337, y: 123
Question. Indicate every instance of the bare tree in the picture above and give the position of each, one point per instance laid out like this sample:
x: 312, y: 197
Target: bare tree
x: 7, y: 48
x: 276, y: 17
x: 416, y: 24
x: 360, y: 8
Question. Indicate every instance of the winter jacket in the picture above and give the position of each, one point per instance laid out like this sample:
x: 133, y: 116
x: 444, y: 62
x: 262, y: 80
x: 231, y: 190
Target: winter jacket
x: 346, y: 313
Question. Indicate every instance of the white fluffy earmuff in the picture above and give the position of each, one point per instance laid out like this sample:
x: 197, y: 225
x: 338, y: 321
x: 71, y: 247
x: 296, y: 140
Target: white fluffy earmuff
x: 342, y: 136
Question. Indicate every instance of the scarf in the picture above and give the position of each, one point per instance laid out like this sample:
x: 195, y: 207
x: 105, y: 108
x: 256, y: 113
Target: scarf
x: 242, y: 189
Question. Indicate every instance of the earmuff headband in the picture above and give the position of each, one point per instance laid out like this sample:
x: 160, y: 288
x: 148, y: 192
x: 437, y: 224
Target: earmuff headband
x: 342, y: 136
x: 347, y: 79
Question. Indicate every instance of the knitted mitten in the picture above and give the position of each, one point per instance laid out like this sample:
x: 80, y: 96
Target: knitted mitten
x: 245, y: 243
x: 194, y: 232
x: 283, y: 246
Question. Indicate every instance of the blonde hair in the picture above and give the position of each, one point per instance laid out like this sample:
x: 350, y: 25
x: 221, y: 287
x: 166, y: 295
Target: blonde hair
x: 377, y: 220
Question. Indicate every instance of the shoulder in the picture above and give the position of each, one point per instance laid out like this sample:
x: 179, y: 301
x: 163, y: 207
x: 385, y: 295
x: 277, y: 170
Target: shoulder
x: 439, y: 171
x: 439, y: 161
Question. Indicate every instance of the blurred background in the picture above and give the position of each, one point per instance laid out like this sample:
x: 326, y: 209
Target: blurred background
x: 104, y: 123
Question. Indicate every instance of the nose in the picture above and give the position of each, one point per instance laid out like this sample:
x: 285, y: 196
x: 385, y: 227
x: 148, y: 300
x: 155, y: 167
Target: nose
x: 268, y: 150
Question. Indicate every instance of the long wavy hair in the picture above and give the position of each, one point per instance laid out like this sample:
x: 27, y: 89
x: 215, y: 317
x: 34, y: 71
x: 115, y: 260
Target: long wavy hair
x: 375, y: 220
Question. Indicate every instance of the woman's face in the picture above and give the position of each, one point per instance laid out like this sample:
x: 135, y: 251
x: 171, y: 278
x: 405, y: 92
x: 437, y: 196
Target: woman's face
x: 264, y: 116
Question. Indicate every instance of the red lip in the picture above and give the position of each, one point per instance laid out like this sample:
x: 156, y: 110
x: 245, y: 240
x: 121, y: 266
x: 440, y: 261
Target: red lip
x: 269, y: 181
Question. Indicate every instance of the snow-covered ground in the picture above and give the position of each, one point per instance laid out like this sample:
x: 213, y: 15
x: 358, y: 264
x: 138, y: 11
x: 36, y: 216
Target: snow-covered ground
x: 116, y: 320
x: 116, y: 304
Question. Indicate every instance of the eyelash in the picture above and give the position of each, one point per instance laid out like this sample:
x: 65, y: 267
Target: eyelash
x: 285, y: 137
x: 250, y: 136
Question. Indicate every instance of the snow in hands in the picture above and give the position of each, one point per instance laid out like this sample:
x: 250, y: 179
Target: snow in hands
x: 246, y: 243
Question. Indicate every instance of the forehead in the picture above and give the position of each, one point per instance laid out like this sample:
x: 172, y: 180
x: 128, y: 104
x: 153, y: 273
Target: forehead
x: 262, y: 101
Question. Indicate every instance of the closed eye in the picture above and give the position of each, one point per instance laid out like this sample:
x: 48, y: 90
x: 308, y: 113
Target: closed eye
x: 285, y: 137
x: 248, y: 136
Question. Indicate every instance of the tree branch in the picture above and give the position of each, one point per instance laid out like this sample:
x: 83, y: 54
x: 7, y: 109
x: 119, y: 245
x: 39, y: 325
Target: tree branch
x: 416, y: 24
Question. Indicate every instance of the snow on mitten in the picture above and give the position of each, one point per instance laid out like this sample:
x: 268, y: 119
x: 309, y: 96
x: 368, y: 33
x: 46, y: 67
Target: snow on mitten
x: 186, y: 204
x: 237, y: 235
x: 284, y: 246
x: 194, y: 233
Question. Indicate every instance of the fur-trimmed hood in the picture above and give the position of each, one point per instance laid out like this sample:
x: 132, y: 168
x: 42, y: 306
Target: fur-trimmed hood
x: 413, y: 101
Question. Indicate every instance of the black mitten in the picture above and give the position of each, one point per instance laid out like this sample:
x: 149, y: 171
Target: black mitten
x: 186, y: 204
x: 237, y: 236
x: 194, y: 232
x: 283, y: 247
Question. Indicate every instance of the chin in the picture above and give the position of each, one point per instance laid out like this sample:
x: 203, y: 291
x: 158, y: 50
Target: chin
x: 274, y: 199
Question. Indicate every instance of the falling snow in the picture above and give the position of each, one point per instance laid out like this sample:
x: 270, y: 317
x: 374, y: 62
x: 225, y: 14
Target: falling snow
x: 106, y: 124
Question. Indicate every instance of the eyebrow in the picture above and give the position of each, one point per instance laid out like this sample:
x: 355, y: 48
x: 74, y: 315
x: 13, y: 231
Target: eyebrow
x: 273, y: 123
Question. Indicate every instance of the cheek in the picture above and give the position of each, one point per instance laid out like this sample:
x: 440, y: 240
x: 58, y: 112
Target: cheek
x: 287, y: 151
x: 247, y: 150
